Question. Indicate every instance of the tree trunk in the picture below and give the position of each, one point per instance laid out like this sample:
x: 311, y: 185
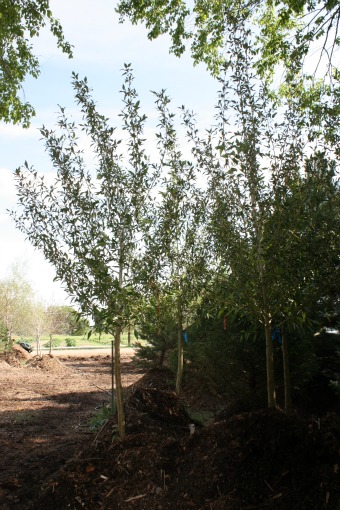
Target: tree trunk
x: 118, y: 377
x: 286, y: 374
x: 129, y: 335
x: 38, y: 346
x: 179, y: 348
x: 119, y: 389
x: 162, y: 357
x: 113, y: 410
x: 50, y: 352
x: 269, y: 363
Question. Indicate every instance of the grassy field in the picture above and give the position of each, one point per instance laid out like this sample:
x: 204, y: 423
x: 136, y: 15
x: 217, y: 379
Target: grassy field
x: 95, y: 340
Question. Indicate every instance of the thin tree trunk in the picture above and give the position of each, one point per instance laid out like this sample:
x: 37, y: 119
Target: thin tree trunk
x: 119, y: 389
x: 118, y: 377
x: 286, y: 374
x: 162, y: 357
x: 7, y: 343
x: 113, y: 410
x: 269, y: 363
x: 179, y: 348
x: 38, y: 346
x: 129, y: 335
x: 50, y: 345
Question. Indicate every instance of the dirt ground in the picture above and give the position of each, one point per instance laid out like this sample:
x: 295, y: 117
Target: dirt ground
x: 45, y: 408
x: 50, y: 460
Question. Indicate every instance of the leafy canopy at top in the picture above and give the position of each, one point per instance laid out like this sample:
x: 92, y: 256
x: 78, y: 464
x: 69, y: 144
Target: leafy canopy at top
x: 284, y: 30
x: 20, y: 21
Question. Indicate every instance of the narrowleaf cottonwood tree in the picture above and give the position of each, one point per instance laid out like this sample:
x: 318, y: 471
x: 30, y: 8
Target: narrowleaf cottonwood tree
x: 175, y: 248
x: 88, y: 224
x: 254, y: 164
x: 302, y: 241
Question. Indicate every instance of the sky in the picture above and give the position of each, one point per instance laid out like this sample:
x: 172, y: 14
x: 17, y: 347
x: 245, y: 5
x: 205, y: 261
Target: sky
x: 101, y: 47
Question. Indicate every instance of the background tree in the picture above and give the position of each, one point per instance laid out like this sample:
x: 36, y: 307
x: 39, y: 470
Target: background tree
x: 78, y: 325
x: 57, y: 322
x: 20, y: 21
x: 15, y: 299
x: 38, y: 323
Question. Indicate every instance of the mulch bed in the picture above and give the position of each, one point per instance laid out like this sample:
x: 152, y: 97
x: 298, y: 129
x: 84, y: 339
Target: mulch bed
x: 251, y: 460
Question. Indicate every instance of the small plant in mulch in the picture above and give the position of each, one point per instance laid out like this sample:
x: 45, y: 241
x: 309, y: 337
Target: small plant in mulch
x: 100, y: 418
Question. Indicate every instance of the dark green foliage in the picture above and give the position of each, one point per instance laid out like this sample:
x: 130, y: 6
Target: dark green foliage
x: 229, y: 356
x: 157, y: 325
x: 20, y: 21
x: 78, y: 325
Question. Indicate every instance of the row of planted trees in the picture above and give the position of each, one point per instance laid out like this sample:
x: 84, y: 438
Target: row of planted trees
x: 241, y: 223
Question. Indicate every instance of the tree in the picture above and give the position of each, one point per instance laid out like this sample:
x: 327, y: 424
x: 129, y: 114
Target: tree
x: 78, y: 325
x: 57, y: 321
x: 156, y: 323
x: 71, y: 322
x: 174, y: 248
x: 285, y: 30
x: 38, y: 323
x: 20, y: 21
x: 303, y: 226
x: 15, y: 299
x: 254, y: 165
x: 88, y: 225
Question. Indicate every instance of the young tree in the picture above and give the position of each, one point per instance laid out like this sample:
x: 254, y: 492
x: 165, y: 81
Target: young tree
x: 303, y: 245
x: 253, y: 168
x: 20, y: 21
x: 39, y: 323
x: 156, y: 323
x: 88, y: 225
x: 175, y: 248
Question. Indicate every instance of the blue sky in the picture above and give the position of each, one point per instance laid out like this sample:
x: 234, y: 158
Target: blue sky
x: 101, y: 47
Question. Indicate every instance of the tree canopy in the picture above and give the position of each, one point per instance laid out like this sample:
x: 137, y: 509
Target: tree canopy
x: 284, y: 30
x: 20, y: 22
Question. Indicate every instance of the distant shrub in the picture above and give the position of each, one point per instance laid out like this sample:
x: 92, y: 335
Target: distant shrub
x: 70, y: 342
x: 56, y: 342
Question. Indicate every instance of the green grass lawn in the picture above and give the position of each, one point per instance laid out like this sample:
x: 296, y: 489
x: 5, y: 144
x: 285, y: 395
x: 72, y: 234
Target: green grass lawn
x: 95, y: 340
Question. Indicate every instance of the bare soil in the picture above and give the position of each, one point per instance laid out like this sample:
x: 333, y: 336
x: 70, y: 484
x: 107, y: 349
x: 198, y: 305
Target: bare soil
x: 45, y: 408
x: 238, y: 461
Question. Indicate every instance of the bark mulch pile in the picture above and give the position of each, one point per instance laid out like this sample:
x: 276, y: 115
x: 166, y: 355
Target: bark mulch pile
x: 47, y: 363
x: 17, y: 357
x: 252, y: 460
